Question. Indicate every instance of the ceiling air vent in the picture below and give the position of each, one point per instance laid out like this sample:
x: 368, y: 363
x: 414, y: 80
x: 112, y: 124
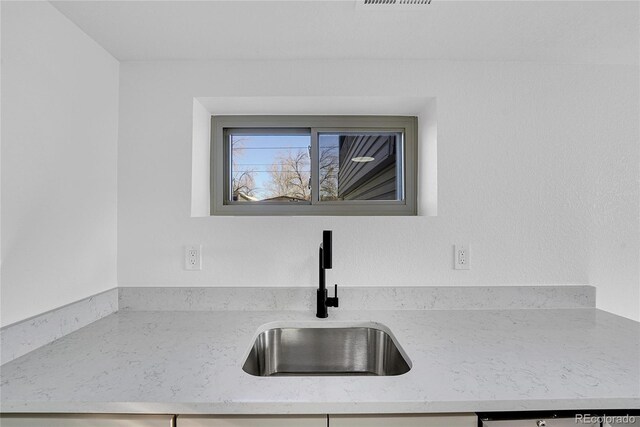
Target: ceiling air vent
x: 395, y: 2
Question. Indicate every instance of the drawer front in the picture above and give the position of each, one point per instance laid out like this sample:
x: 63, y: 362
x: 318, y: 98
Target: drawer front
x: 460, y: 420
x: 252, y: 421
x: 82, y: 420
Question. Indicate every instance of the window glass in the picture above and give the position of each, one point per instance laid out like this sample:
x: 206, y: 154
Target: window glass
x: 270, y: 167
x: 313, y: 165
x: 359, y: 166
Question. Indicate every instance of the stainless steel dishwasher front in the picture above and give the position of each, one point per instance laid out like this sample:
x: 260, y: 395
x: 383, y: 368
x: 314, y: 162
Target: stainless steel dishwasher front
x: 538, y: 422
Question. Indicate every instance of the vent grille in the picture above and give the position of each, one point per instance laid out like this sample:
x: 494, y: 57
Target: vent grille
x: 396, y: 2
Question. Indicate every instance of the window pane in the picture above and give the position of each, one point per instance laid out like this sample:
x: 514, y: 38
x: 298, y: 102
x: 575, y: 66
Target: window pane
x: 270, y: 168
x: 359, y: 166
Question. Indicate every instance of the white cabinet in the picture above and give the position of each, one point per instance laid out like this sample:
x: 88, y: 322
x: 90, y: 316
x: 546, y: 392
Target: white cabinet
x: 89, y: 420
x: 252, y: 421
x: 458, y: 420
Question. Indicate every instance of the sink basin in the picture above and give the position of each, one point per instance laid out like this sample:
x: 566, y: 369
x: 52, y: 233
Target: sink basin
x: 297, y: 351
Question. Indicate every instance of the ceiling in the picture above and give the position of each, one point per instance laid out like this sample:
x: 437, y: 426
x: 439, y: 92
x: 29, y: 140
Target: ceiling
x: 596, y: 32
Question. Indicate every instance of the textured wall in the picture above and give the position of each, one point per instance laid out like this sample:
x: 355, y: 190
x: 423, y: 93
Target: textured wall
x: 59, y: 162
x: 537, y: 171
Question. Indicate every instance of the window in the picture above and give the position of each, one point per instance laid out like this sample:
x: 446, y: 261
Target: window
x: 313, y: 165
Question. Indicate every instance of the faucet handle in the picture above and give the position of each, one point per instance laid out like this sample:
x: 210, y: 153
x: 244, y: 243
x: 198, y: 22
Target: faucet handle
x: 333, y: 301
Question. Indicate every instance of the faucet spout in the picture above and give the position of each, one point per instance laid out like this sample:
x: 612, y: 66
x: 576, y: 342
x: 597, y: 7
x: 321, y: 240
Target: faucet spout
x: 325, y: 262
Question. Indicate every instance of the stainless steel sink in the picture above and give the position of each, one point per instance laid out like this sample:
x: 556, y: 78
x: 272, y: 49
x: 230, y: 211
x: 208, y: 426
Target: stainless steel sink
x: 325, y: 351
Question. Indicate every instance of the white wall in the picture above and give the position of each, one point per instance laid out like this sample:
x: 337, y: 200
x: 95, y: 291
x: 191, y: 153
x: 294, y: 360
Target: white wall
x: 59, y: 162
x: 200, y: 152
x: 537, y: 171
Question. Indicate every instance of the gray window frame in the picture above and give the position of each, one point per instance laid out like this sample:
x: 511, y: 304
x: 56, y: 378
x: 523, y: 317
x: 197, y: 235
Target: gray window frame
x: 220, y: 165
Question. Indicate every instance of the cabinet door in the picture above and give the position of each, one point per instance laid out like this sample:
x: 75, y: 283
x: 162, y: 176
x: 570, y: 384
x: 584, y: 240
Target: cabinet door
x: 252, y: 421
x: 458, y: 420
x: 82, y: 420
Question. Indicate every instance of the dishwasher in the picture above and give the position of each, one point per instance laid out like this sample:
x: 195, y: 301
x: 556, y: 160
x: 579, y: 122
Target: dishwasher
x: 599, y: 418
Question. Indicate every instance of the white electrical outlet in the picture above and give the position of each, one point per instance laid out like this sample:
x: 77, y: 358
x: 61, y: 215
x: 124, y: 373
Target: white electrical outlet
x: 461, y: 257
x: 193, y: 257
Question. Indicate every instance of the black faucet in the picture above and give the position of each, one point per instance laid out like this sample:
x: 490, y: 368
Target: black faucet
x: 325, y: 263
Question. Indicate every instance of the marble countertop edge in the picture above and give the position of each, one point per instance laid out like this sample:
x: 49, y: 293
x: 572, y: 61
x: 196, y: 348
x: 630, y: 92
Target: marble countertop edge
x: 316, y: 408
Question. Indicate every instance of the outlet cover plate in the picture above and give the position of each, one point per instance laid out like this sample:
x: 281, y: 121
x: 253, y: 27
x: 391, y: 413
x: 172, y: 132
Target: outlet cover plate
x: 461, y: 257
x: 193, y: 257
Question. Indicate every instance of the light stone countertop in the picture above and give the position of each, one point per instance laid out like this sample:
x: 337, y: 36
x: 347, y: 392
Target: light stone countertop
x: 184, y: 362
